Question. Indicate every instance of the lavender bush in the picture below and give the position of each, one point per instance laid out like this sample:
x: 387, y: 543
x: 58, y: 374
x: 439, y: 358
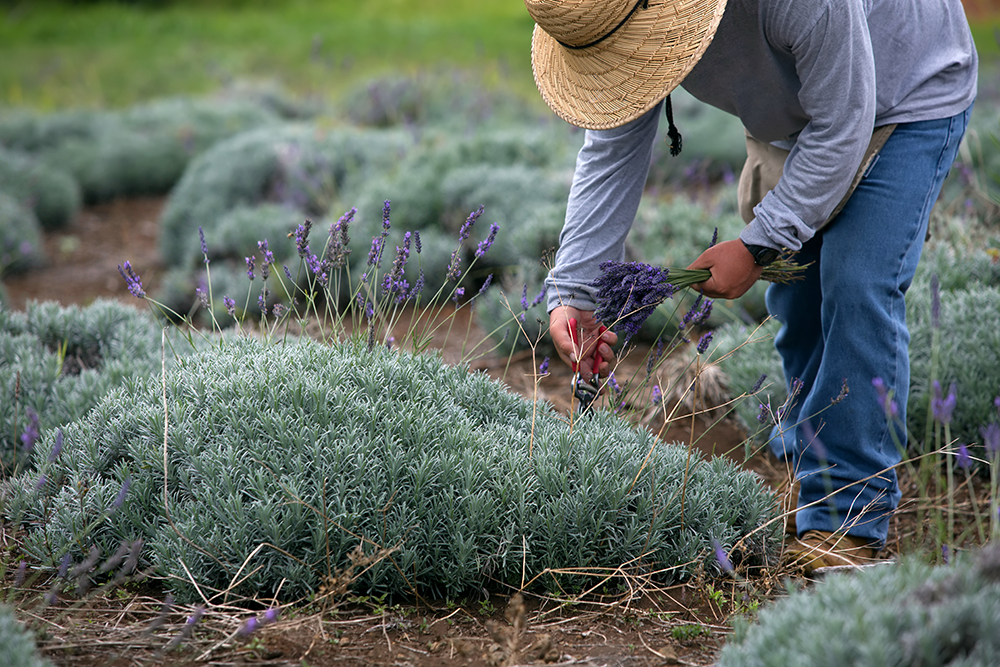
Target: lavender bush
x: 293, y: 455
x: 51, y: 193
x: 889, y: 616
x: 17, y: 645
x: 20, y: 236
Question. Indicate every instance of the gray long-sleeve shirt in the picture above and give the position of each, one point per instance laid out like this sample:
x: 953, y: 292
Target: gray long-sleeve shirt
x: 812, y: 76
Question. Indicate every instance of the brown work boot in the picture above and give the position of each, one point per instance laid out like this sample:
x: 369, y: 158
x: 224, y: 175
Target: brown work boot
x: 817, y: 549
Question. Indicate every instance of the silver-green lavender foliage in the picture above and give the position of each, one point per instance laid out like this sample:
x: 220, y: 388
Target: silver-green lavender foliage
x: 49, y: 191
x: 301, y: 166
x: 17, y: 645
x: 20, y: 237
x: 900, y: 615
x: 58, y: 362
x: 312, y: 450
x: 142, y: 150
x: 968, y: 352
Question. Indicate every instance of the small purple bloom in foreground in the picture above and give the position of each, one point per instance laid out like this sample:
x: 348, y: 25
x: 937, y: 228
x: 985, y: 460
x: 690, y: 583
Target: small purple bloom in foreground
x: 721, y: 556
x: 613, y: 383
x: 42, y: 481
x: 964, y: 460
x: 459, y: 293
x: 56, y: 446
x: 302, y: 238
x: 132, y: 280
x: 484, y: 245
x: 250, y: 264
x: 22, y: 570
x: 271, y: 615
x: 32, y: 431
x: 757, y: 385
x: 230, y: 305
x: 945, y: 553
x: 935, y: 302
x: 248, y: 626
x: 704, y: 342
x: 199, y: 611
x: 544, y: 367
x: 416, y: 241
x: 885, y: 400
x: 943, y: 408
x: 657, y: 395
x: 466, y: 229
x: 524, y: 297
x: 64, y: 565
x: 122, y: 492
x: 991, y: 440
x: 265, y: 266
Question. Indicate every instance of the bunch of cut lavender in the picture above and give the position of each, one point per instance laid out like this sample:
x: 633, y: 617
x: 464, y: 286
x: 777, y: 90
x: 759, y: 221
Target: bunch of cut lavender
x: 627, y: 293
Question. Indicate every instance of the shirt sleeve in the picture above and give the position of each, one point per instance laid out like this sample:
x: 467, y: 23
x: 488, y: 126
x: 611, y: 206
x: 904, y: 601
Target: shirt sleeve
x: 611, y: 171
x: 832, y: 50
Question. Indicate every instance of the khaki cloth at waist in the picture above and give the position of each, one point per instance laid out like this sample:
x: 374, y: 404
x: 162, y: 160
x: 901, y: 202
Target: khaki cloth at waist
x: 765, y: 164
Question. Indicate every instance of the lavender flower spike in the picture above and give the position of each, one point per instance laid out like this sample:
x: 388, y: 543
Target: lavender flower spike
x: 466, y: 229
x: 132, y: 280
x: 722, y: 557
x: 704, y: 342
x: 122, y: 492
x: 485, y: 244
x: 964, y: 460
x: 204, y: 246
x: 943, y: 408
x: 32, y: 431
x: 991, y: 440
x: 56, y: 446
x: 251, y: 260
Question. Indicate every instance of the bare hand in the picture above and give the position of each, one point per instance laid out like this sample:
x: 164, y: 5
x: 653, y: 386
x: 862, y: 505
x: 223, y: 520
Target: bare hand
x: 733, y: 270
x: 590, y: 340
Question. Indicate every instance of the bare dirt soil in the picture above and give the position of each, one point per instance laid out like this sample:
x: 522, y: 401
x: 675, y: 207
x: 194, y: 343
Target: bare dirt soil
x: 653, y: 626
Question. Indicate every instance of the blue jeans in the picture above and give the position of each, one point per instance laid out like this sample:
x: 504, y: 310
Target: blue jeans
x: 846, y: 322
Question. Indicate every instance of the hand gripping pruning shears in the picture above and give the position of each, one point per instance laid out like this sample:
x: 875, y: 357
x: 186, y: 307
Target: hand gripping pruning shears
x: 585, y: 392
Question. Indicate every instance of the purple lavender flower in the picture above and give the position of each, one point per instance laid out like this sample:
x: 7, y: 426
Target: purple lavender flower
x: 763, y: 414
x: 486, y: 283
x: 945, y: 554
x: 459, y: 293
x: 654, y: 358
x: 991, y: 440
x: 416, y: 241
x: 230, y: 305
x: 288, y: 274
x: 466, y: 229
x: 262, y: 303
x: 418, y: 287
x: 943, y: 408
x: 302, y: 238
x: 627, y: 293
x: 42, y: 481
x: 248, y: 626
x: 64, y: 565
x: 204, y: 246
x: 394, y: 283
x: 757, y: 385
x: 964, y: 460
x: 132, y: 280
x: 698, y: 314
x: 454, y: 271
x: 22, y: 570
x: 715, y: 234
x: 704, y: 342
x: 265, y: 265
x: 935, y: 302
x: 721, y: 556
x: 524, y: 297
x: 539, y: 297
x: 32, y: 431
x: 271, y: 615
x: 202, y: 293
x: 278, y: 310
x: 193, y: 619
x: 543, y: 368
x: 386, y: 224
x: 657, y: 395
x: 485, y: 244
x: 122, y: 492
x: 250, y: 265
x: 885, y: 399
x: 338, y: 250
x: 375, y: 254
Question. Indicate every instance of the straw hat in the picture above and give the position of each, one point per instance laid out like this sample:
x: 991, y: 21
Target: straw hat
x: 602, y: 63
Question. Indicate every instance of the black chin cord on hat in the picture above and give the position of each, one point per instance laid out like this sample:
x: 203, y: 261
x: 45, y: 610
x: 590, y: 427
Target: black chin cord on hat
x: 672, y: 133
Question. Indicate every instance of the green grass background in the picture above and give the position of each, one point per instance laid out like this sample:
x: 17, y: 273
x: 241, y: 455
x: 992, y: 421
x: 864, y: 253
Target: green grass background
x: 56, y: 55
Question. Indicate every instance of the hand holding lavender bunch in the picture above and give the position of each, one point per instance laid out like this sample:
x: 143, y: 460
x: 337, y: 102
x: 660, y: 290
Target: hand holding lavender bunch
x: 627, y: 293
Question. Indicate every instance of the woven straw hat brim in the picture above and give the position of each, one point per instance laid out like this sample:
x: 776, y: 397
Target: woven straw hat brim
x: 624, y: 76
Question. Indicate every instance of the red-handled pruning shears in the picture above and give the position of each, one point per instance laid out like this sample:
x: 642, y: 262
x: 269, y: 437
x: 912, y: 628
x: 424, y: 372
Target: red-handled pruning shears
x: 585, y: 392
